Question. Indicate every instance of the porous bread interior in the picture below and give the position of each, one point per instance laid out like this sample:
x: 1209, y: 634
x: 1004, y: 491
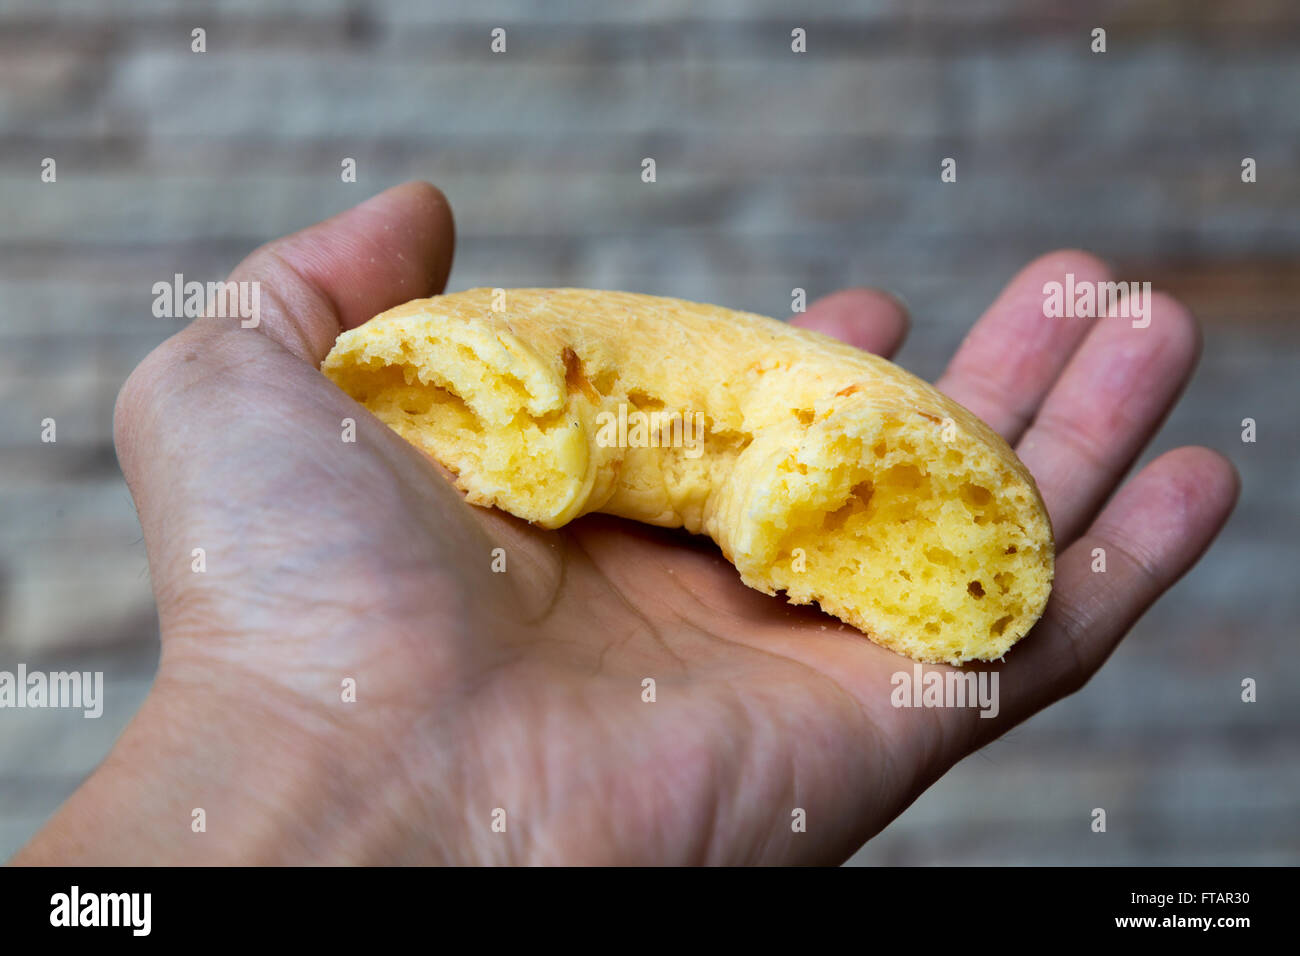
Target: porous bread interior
x: 935, y: 541
x: 916, y: 541
x: 474, y: 421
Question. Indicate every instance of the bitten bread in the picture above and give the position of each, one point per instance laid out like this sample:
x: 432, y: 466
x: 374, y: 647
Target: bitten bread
x: 819, y: 469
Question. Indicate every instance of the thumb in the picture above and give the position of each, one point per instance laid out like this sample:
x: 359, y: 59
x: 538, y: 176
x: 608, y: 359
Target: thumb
x: 312, y: 285
x: 339, y: 273
x: 203, y: 424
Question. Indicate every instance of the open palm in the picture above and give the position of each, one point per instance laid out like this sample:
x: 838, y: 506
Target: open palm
x: 505, y: 716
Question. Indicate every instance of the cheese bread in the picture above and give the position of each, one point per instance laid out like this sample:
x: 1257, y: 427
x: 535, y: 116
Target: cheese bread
x: 820, y: 470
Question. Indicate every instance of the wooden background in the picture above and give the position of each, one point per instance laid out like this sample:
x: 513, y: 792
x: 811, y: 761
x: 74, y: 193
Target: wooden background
x: 774, y: 171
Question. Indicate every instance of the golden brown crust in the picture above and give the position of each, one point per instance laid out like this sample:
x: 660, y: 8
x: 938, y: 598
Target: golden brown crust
x: 773, y: 398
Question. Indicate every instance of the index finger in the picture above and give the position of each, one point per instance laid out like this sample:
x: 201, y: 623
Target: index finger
x: 1014, y: 353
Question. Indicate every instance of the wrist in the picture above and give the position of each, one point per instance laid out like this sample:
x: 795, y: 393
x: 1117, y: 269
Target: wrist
x: 199, y: 778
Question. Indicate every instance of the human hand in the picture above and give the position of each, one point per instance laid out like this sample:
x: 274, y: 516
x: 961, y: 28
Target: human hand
x: 328, y: 560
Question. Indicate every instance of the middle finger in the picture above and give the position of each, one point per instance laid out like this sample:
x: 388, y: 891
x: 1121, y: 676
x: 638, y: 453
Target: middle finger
x: 1110, y: 399
x: 1013, y: 354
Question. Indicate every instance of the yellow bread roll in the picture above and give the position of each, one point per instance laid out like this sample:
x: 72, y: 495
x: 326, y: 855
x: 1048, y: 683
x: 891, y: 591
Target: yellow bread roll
x: 819, y: 469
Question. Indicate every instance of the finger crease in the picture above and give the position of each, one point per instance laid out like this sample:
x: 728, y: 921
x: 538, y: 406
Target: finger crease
x: 998, y: 396
x: 1112, y: 540
x: 317, y: 292
x: 1058, y: 431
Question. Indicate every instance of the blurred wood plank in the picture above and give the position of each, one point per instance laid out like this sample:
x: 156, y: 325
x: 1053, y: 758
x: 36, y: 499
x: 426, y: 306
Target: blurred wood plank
x: 776, y: 171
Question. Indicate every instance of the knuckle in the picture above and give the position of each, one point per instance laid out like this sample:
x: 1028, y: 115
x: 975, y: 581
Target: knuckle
x: 143, y: 398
